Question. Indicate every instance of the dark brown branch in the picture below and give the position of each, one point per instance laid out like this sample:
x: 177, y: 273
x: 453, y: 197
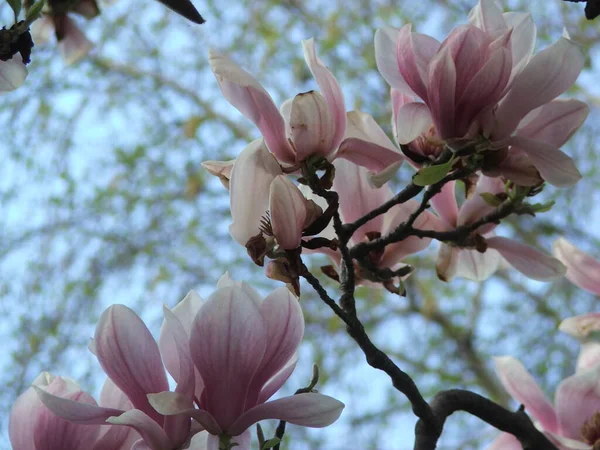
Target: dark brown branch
x: 446, y: 403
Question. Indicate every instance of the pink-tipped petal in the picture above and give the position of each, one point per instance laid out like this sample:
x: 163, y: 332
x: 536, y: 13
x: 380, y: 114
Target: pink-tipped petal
x: 371, y: 156
x: 554, y: 166
x: 554, y: 123
x: 227, y: 344
x: 357, y: 197
x: 549, y: 73
x: 330, y: 89
x: 176, y: 351
x: 151, y: 432
x: 522, y: 387
x: 129, y: 355
x: 387, y: 61
x: 74, y: 45
x: 275, y: 383
x: 287, y: 206
x: 251, y: 178
x: 577, y: 400
x: 412, y: 120
x: 487, y: 16
x: 246, y: 94
x: 582, y: 270
x: 311, y: 126
x: 530, y: 262
x: 445, y: 204
x: 441, y: 93
x: 308, y: 410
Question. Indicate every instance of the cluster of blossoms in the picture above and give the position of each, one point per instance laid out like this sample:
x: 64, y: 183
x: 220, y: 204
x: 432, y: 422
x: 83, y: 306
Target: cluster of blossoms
x: 478, y: 108
x: 479, y: 105
x: 228, y: 355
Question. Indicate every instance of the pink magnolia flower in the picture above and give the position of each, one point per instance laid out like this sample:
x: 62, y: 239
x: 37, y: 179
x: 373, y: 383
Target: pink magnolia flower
x: 266, y: 203
x: 72, y: 42
x: 482, y: 83
x: 241, y: 350
x: 33, y: 426
x: 582, y: 269
x: 572, y: 422
x: 475, y: 265
x: 130, y: 357
x: 585, y: 328
x: 311, y: 123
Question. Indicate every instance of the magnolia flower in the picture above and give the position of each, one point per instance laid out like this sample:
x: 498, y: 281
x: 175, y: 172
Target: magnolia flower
x: 573, y: 423
x: 130, y: 357
x: 481, y: 83
x: 479, y: 265
x: 72, y: 42
x: 356, y: 198
x: 582, y: 270
x: 266, y: 204
x: 310, y: 124
x: 585, y: 328
x: 33, y: 426
x: 233, y: 352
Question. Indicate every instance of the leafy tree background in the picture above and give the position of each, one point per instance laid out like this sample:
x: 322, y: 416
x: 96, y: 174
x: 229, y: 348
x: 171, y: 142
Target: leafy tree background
x: 104, y: 201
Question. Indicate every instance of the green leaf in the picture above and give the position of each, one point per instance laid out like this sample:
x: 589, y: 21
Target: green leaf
x: 542, y: 207
x: 35, y: 11
x: 16, y: 6
x: 491, y: 199
x: 270, y: 443
x: 432, y: 174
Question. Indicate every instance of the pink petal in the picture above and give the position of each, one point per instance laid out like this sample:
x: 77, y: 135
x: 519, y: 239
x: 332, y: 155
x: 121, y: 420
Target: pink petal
x: 362, y: 126
x: 284, y: 322
x: 589, y: 356
x: 487, y: 16
x: 311, y: 125
x: 227, y: 344
x: 221, y: 170
x: 581, y: 326
x: 308, y: 410
x: 287, y: 206
x: 275, y: 383
x: 505, y: 441
x: 251, y: 178
x: 549, y: 73
x: 199, y: 441
x: 174, y: 404
x: 554, y: 166
x: 357, y: 197
x: 530, y: 262
x: 412, y: 120
x: 330, y: 89
x: 516, y: 167
x: 577, y: 400
x: 414, y: 53
x: 523, y: 388
x: 582, y: 270
x: 12, y: 73
x: 151, y: 432
x: 183, y: 368
x: 523, y: 39
x: 554, y: 123
x: 226, y: 281
x: 366, y: 154
x: 441, y: 92
x: 475, y: 207
x: 246, y: 94
x: 113, y: 397
x: 129, y: 355
x: 187, y: 309
x: 445, y: 204
x: 386, y: 59
x: 74, y: 45
x: 42, y: 30
x: 477, y: 266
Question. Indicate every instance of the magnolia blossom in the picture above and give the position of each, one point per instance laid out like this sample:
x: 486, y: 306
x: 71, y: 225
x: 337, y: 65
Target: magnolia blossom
x: 482, y: 83
x: 479, y: 264
x: 586, y: 328
x: 33, y: 426
x: 265, y: 204
x: 241, y: 350
x: 572, y: 423
x: 228, y: 356
x: 582, y: 269
x: 72, y: 42
x: 310, y: 124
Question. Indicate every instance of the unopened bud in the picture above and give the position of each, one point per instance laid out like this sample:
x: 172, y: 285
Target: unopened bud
x: 280, y: 269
